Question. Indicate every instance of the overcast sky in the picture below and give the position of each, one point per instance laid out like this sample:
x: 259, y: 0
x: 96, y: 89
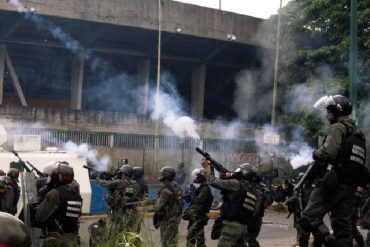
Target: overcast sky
x: 257, y: 8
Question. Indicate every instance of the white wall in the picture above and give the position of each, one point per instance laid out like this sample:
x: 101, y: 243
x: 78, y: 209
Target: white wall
x: 40, y: 161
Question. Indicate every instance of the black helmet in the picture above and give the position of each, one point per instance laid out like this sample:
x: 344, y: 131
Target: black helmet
x: 168, y: 173
x: 339, y: 106
x: 2, y: 173
x: 13, y: 173
x: 137, y: 172
x: 126, y: 170
x: 62, y: 174
x: 246, y: 171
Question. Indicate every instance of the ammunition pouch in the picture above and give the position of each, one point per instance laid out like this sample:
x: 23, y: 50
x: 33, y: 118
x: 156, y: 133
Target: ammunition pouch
x: 216, y: 229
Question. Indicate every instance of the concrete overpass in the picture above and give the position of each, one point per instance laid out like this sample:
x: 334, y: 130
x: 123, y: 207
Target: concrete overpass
x: 202, y: 48
x: 89, y: 65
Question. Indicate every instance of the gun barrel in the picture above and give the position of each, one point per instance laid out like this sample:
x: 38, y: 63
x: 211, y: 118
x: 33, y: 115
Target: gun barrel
x: 38, y: 172
x: 15, y: 153
x: 304, y: 178
x: 215, y: 164
x: 89, y: 168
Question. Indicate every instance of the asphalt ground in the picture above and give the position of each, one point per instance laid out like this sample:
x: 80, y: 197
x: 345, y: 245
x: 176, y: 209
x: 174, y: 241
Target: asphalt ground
x: 277, y: 231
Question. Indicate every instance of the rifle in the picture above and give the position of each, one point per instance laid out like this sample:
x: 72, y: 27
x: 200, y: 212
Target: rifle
x: 103, y: 175
x: 213, y: 162
x: 306, y: 175
x: 38, y: 172
x: 21, y: 162
x: 147, y: 202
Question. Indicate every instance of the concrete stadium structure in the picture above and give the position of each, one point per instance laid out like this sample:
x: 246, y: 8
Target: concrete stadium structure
x: 85, y: 70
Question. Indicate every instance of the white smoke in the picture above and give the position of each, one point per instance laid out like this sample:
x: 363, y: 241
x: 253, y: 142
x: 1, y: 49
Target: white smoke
x: 84, y: 150
x: 252, y: 95
x: 228, y: 130
x: 298, y: 151
x: 56, y: 31
x: 168, y: 108
x: 303, y: 156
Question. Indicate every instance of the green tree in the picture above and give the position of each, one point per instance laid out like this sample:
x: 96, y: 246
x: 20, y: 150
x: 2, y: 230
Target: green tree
x: 315, y: 35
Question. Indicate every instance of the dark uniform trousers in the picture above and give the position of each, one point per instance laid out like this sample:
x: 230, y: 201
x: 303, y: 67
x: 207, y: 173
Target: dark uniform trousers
x: 196, y: 231
x: 232, y: 234
x: 340, y: 203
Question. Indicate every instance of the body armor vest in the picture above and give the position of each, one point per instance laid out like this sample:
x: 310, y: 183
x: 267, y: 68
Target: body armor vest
x: 351, y: 159
x: 240, y: 205
x: 66, y: 218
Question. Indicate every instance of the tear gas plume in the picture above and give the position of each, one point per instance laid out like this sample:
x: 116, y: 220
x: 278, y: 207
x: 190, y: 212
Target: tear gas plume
x: 298, y: 152
x: 252, y: 96
x: 167, y: 105
x: 84, y: 150
x: 56, y: 31
x: 303, y: 157
x: 229, y: 130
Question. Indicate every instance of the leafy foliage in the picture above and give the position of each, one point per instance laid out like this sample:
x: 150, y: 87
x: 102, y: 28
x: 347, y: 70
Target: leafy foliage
x: 316, y: 34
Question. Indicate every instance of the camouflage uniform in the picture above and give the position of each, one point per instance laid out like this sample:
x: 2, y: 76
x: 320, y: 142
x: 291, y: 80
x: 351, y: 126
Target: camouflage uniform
x: 168, y: 210
x: 340, y: 203
x: 114, y: 191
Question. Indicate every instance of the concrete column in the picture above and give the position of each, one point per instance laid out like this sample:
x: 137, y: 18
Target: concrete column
x: 198, y: 81
x: 77, y: 76
x: 143, y: 73
x: 2, y: 67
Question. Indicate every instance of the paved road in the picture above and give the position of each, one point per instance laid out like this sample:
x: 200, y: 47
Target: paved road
x: 277, y: 231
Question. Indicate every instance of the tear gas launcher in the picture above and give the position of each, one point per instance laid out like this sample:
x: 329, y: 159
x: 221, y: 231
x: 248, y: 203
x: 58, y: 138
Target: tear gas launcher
x: 102, y: 175
x: 217, y: 166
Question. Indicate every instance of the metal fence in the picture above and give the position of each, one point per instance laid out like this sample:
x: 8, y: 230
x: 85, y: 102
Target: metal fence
x: 131, y: 141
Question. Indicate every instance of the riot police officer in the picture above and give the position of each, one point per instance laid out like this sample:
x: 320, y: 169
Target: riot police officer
x: 6, y: 195
x: 138, y: 177
x: 59, y: 212
x: 200, y: 204
x: 342, y: 156
x: 254, y: 226
x: 14, y: 175
x: 168, y: 207
x: 239, y: 206
x: 115, y: 189
x: 13, y: 232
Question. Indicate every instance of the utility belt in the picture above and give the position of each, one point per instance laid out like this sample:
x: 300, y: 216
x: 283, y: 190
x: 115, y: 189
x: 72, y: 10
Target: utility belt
x: 344, y: 173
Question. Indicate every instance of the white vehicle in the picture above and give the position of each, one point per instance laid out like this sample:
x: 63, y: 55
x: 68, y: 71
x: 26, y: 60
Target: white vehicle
x: 40, y: 159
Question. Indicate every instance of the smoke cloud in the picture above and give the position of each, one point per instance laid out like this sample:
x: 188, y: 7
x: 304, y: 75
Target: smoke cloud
x: 91, y: 155
x: 84, y: 150
x: 168, y: 106
x: 56, y: 31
